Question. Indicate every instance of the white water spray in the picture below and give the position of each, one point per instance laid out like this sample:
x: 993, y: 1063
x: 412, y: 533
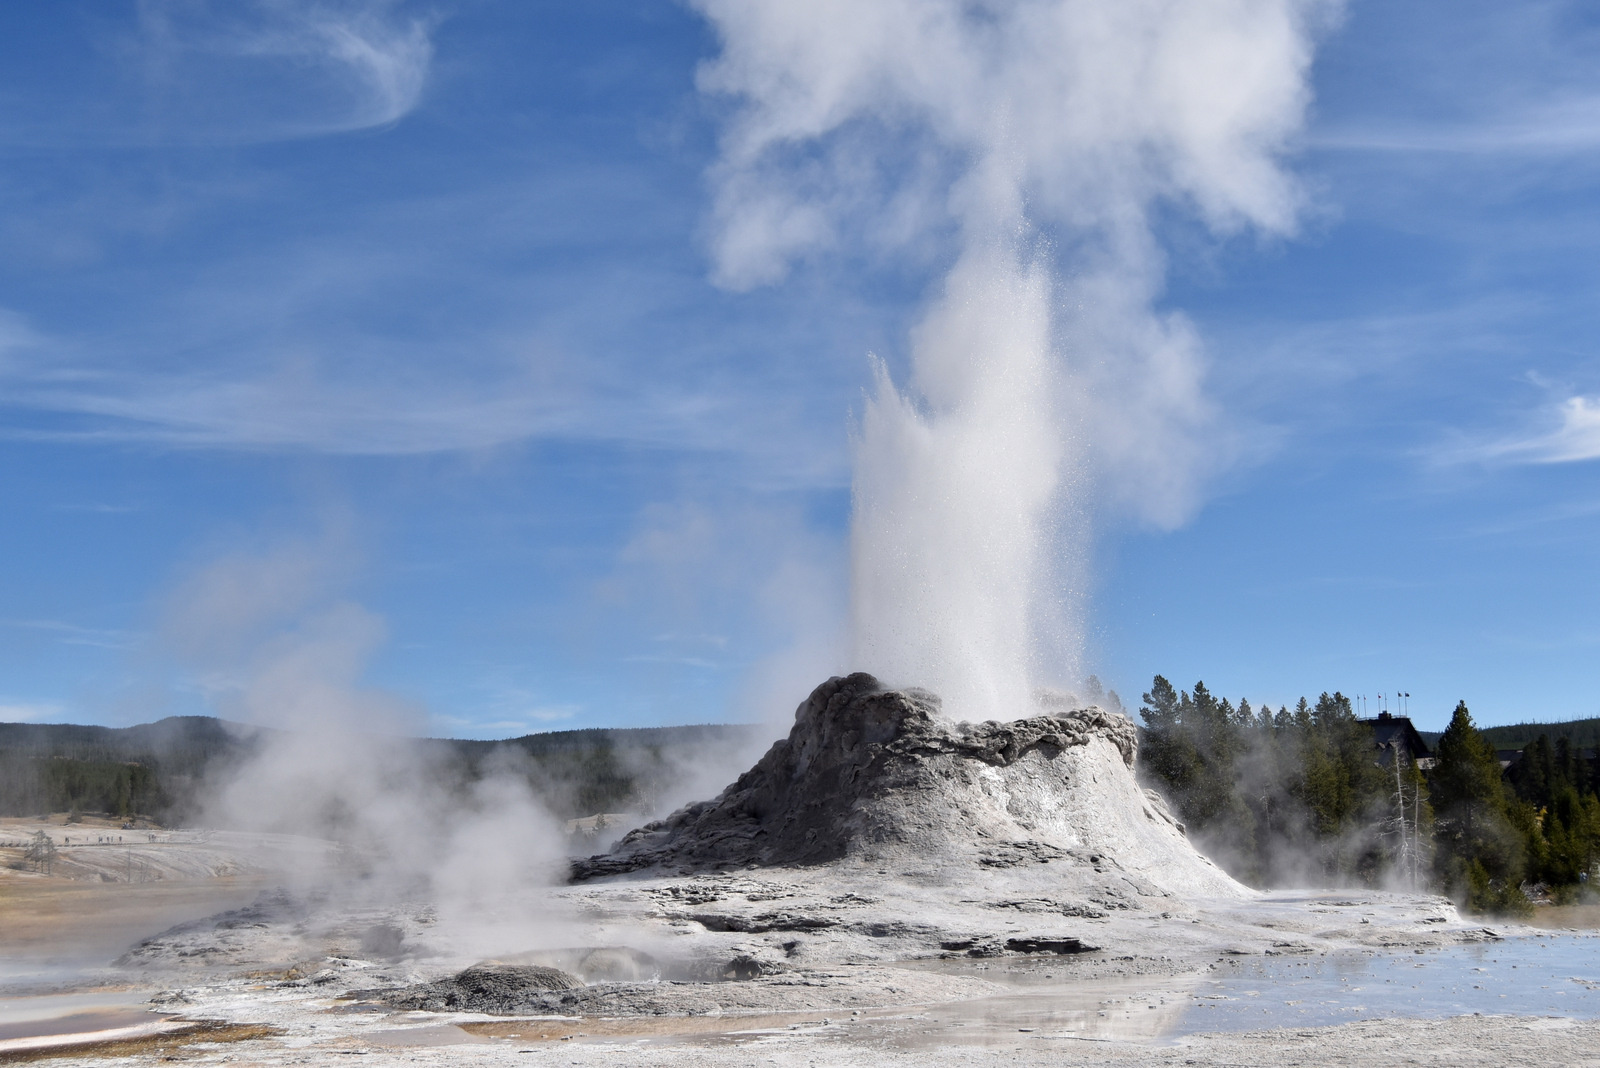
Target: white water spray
x: 1039, y: 138
x: 953, y: 496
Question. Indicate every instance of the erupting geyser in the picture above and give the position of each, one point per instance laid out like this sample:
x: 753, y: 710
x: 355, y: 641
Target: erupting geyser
x: 871, y: 777
x: 1025, y: 151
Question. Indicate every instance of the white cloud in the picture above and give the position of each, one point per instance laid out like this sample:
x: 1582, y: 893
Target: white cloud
x: 275, y: 69
x: 1571, y: 435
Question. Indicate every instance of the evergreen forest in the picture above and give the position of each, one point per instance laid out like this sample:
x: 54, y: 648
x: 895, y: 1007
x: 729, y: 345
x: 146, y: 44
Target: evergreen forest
x: 1307, y: 796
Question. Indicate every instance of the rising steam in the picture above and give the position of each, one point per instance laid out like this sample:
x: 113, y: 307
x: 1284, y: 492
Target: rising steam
x: 272, y: 643
x: 1036, y: 140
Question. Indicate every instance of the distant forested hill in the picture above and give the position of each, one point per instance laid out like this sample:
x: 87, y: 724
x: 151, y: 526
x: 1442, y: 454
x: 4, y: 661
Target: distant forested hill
x: 155, y: 769
x: 151, y: 769
x: 577, y: 773
x: 1582, y: 733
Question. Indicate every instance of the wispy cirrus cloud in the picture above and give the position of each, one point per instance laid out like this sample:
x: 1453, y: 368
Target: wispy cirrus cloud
x: 220, y: 302
x: 293, y: 409
x: 409, y: 399
x: 74, y: 634
x: 209, y: 72
x: 1568, y: 432
x: 273, y: 69
x: 389, y: 335
x: 1557, y: 127
x: 1463, y: 78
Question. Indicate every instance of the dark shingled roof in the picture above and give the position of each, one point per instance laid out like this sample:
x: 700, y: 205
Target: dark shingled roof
x: 1388, y: 729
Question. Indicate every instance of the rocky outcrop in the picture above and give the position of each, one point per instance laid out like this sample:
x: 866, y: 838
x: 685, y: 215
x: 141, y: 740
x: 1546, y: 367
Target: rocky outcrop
x: 871, y: 775
x: 500, y: 989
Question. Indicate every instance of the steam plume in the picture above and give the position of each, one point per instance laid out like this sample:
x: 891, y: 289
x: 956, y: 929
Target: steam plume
x: 267, y: 637
x: 1037, y: 139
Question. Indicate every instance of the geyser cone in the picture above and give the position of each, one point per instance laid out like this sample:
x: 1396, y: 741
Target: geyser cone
x: 872, y: 776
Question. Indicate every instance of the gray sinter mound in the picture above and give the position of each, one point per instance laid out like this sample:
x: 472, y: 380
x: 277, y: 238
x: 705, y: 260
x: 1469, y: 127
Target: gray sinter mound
x: 505, y: 989
x: 871, y: 775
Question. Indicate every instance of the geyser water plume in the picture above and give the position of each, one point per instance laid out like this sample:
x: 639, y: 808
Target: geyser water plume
x: 951, y: 534
x: 1037, y: 139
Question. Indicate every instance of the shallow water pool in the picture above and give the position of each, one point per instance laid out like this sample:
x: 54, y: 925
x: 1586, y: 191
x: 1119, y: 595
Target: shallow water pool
x: 1537, y: 975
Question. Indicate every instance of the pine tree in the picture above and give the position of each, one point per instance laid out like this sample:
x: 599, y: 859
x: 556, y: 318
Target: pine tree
x: 1264, y: 717
x: 1160, y: 711
x: 1166, y: 756
x: 1480, y: 848
x: 1533, y: 777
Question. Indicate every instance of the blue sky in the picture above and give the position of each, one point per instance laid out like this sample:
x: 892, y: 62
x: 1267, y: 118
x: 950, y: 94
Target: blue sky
x: 392, y: 330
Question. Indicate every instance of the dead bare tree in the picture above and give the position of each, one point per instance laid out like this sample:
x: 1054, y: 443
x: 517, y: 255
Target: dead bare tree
x: 41, y: 852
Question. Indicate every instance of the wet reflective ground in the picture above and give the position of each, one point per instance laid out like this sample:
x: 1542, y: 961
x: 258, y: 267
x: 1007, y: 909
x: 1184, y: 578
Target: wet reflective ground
x: 42, y: 1020
x: 1537, y: 975
x: 1045, y: 1005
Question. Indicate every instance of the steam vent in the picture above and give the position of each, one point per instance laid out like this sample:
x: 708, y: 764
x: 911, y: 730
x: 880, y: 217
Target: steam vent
x: 872, y: 777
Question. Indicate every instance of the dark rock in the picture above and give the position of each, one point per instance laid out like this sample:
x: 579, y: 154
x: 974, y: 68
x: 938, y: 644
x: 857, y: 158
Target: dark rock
x: 770, y: 921
x: 743, y: 969
x: 973, y: 947
x: 1011, y: 854
x: 896, y: 929
x: 500, y: 989
x: 1048, y: 945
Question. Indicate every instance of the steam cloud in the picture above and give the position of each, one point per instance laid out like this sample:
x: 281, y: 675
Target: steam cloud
x: 266, y: 635
x: 1037, y: 141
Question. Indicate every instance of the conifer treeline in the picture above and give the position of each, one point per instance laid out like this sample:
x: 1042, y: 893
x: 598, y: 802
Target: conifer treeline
x: 1305, y: 796
x: 31, y: 785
